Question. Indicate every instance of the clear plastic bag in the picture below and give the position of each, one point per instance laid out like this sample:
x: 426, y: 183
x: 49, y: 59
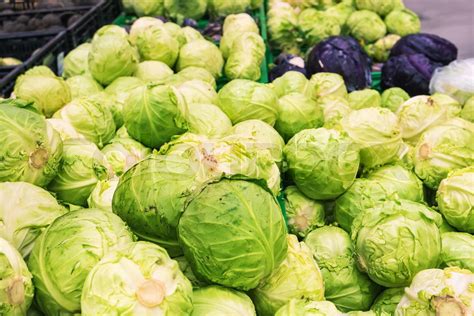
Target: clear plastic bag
x: 455, y: 80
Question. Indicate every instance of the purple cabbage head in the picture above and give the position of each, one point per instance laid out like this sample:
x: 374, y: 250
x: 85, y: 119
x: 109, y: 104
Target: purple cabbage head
x: 436, y: 48
x: 287, y: 62
x: 342, y: 55
x: 412, y: 73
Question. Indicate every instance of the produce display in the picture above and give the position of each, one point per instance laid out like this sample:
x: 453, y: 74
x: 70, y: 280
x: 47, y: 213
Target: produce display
x: 165, y: 172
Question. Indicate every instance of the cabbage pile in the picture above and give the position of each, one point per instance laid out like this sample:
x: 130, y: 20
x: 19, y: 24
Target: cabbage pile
x: 377, y: 24
x: 133, y: 185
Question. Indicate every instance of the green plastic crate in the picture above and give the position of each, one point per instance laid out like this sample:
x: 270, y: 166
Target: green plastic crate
x: 124, y: 20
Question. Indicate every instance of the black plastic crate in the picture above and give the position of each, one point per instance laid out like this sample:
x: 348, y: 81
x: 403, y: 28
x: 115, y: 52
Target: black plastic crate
x: 103, y: 13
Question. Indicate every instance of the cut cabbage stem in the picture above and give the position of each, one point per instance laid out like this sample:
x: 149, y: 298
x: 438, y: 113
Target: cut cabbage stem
x: 16, y: 292
x: 448, y: 306
x: 39, y: 158
x: 151, y: 293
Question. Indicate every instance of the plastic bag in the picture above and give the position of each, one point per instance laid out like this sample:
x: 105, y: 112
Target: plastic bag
x: 455, y: 80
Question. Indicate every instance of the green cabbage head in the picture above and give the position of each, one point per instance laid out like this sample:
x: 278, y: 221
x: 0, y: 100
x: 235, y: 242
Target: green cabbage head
x: 67, y: 251
x: 16, y: 285
x: 193, y: 73
x: 381, y: 7
x: 366, y: 26
x: 442, y: 149
x: 344, y: 285
x: 325, y: 84
x: 363, y: 194
x: 76, y: 61
x: 141, y: 25
x: 25, y: 212
x: 48, y: 92
x: 153, y: 114
x: 89, y: 118
x: 317, y: 25
x: 393, y: 98
x: 387, y: 301
x: 181, y: 9
x: 297, y: 277
x: 304, y: 214
x: 308, y: 308
x: 216, y: 301
x: 111, y: 57
x: 367, y: 98
x: 83, y: 165
x: 457, y: 249
x: 139, y: 279
x: 201, y: 53
x: 439, y: 292
x: 455, y: 197
x: 219, y: 8
x: 291, y: 82
x: 260, y: 136
x: 323, y: 163
x: 396, y: 240
x: 401, y: 180
x: 82, y: 86
x: 198, y: 91
x: 243, y: 100
x: 148, y: 8
x: 403, y: 22
x: 208, y: 120
x: 122, y: 153
x: 257, y: 234
x: 156, y: 43
x: 467, y: 111
x: 153, y: 71
x: 31, y: 148
x: 377, y: 132
x: 297, y: 112
x: 150, y: 197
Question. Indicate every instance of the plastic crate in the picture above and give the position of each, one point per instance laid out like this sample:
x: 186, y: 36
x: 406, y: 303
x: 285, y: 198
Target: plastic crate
x: 101, y: 14
x: 126, y: 20
x: 51, y: 55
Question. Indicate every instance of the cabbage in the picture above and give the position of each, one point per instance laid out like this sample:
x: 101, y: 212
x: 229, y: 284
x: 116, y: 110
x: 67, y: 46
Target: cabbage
x: 193, y: 73
x: 304, y: 307
x: 345, y: 286
x: 234, y: 26
x: 323, y: 163
x: 381, y: 7
x: 156, y: 43
x: 436, y: 291
x: 216, y: 301
x: 297, y: 112
x: 198, y: 91
x: 17, y: 290
x: 82, y: 86
x: 225, y: 7
x: 403, y: 22
x: 157, y: 283
x: 455, y: 198
x: 245, y: 57
x: 82, y: 167
x: 207, y: 119
x: 243, y: 100
x: 362, y: 99
x: 122, y: 153
x: 366, y: 26
x: 152, y: 114
x: 148, y: 8
x: 258, y: 242
x: 297, y: 277
x: 387, y: 301
x: 67, y: 251
x: 110, y: 29
x: 65, y: 129
x: 260, y: 136
x: 180, y: 9
x: 48, y: 92
x: 325, y: 84
x: 76, y: 61
x: 31, y: 148
x: 442, y: 149
x: 291, y: 82
x: 201, y: 53
x: 456, y: 249
x: 141, y: 25
x: 317, y: 25
x: 304, y: 215
x: 393, y: 98
x: 34, y: 209
x: 153, y: 71
x: 112, y: 56
x: 89, y: 118
x: 377, y: 132
x: 176, y: 32
x: 396, y: 240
